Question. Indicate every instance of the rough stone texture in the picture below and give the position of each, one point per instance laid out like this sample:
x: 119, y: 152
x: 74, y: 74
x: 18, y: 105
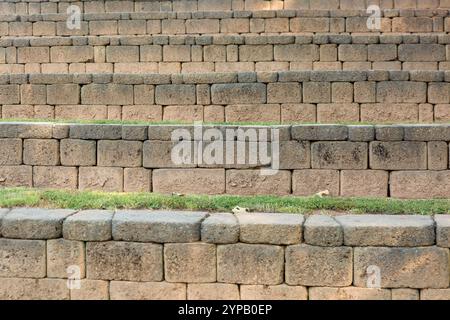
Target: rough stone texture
x: 222, y: 228
x: 247, y: 182
x: 55, y: 177
x: 310, y: 182
x: 442, y: 230
x: 33, y: 289
x: 43, y: 152
x: 76, y: 152
x: 320, y: 230
x: 405, y: 155
x: 89, y: 225
x: 318, y: 266
x: 91, y: 290
x: 250, y: 264
x: 16, y: 176
x: 212, y: 291
x: 387, y: 230
x: 34, y: 223
x: 137, y: 180
x: 101, y: 179
x: 123, y: 290
x: 62, y: 254
x: 175, y: 94
x: 405, y: 294
x: 349, y: 293
x: 364, y: 183
x: 109, y: 94
x: 119, y: 153
x: 280, y: 292
x: 22, y: 258
x: 124, y: 261
x: 435, y: 294
x: 271, y: 228
x: 420, y: 184
x: 403, y: 267
x: 190, y: 262
x: 157, y: 226
x: 339, y: 155
x: 11, y: 151
x: 242, y: 93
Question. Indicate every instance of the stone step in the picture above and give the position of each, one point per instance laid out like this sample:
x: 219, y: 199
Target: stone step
x: 276, y: 97
x: 224, y: 53
x: 225, y: 22
x: 102, y: 6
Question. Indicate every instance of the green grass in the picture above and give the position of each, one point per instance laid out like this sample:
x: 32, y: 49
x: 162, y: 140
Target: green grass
x: 22, y: 197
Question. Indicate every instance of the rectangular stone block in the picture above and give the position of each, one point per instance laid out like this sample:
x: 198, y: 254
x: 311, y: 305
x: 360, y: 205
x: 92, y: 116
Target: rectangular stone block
x: 76, y: 152
x: 33, y: 289
x: 163, y: 154
x: 236, y: 264
x: 387, y: 230
x: 16, y: 176
x: 317, y: 92
x: 11, y: 151
x: 437, y: 155
x: 319, y: 132
x: 55, y: 177
x: 319, y: 266
x: 321, y: 230
x: 41, y: 152
x: 176, y: 94
x: 91, y: 290
x: 402, y: 92
x: 238, y: 93
x: 89, y: 225
x: 72, y: 54
x: 62, y: 255
x: 246, y: 182
x: 439, y: 93
x: 101, y: 179
x: 270, y: 228
x: 220, y: 228
x: 9, y: 94
x: 403, y: 267
x: 402, y: 155
x: 33, y: 94
x: 123, y: 290
x: 364, y: 183
x: 33, y: 55
x: 421, y: 52
x: 124, y: 261
x: 284, y: 93
x: 420, y: 184
x: 192, y: 181
x: 349, y: 293
x: 442, y: 230
x: 109, y: 94
x: 310, y: 182
x: 255, y: 53
x: 157, y: 226
x: 21, y: 258
x: 137, y: 180
x: 212, y: 291
x: 279, y: 292
x: 95, y: 132
x: 339, y: 155
x: 63, y: 94
x: 190, y: 262
x: 122, y: 54
x: 119, y: 153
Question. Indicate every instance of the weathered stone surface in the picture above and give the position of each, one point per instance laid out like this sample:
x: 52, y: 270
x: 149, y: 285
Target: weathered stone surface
x: 25, y: 223
x: 319, y: 132
x: 404, y: 155
x: 402, y: 92
x: 62, y: 254
x: 280, y: 292
x: 3, y: 212
x: 310, y: 182
x: 424, y: 132
x: 403, y: 267
x: 43, y: 152
x: 250, y: 264
x: 76, y: 152
x: 175, y: 94
x: 33, y: 289
x: 247, y: 182
x: 435, y: 294
x: 55, y: 177
x: 89, y: 225
x: 405, y: 294
x: 137, y: 180
x: 22, y: 258
x: 161, y: 154
x: 295, y: 155
x: 11, y: 151
x: 119, y: 153
x: 95, y: 131
x: 91, y: 290
x: 16, y: 176
x: 109, y: 94
x: 26, y: 130
x: 101, y: 178
x: 364, y: 183
x: 320, y: 230
x: 442, y: 230
x: 157, y: 226
x: 190, y: 262
x: 212, y: 291
x: 220, y: 228
x: 387, y: 230
x: 339, y: 155
x: 238, y: 93
x: 123, y: 290
x: 124, y: 261
x: 319, y: 266
x: 270, y: 228
x: 420, y: 184
x: 349, y: 293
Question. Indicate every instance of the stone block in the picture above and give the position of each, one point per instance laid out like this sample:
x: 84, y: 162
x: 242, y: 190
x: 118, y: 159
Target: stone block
x: 123, y: 290
x: 89, y: 225
x: 33, y: 94
x: 349, y: 293
x: 63, y: 94
x: 319, y: 132
x: 280, y: 292
x: 22, y: 258
x: 442, y: 230
x: 33, y: 289
x: 339, y: 155
x: 95, y: 132
x: 404, y: 155
x: 11, y: 152
x: 222, y: 228
x: 321, y: 230
x: 420, y: 184
x: 64, y: 254
x: 437, y: 155
x: 55, y: 177
x: 9, y: 94
x: 246, y: 182
x: 119, y: 153
x: 175, y: 94
x: 310, y: 182
x: 284, y: 92
x: 76, y: 152
x: 364, y: 183
x: 238, y: 93
x: 137, y: 180
x: 16, y: 176
x: 91, y: 290
x: 401, y: 92
x: 109, y: 94
x: 101, y: 179
x: 317, y: 92
x: 212, y: 291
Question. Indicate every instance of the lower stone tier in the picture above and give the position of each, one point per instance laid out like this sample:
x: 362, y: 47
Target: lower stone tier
x: 64, y: 254
x: 400, y: 161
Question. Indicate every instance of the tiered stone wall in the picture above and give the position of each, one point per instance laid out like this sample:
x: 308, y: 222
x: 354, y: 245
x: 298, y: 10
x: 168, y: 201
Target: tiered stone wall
x: 195, y: 255
x: 101, y: 6
x: 279, y: 97
x: 410, y: 161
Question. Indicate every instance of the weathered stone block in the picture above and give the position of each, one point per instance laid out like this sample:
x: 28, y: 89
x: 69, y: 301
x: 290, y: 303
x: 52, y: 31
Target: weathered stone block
x: 317, y: 92
x: 63, y: 94
x: 270, y: 228
x: 62, y: 254
x: 339, y: 155
x: 220, y: 228
x: 212, y: 291
x: 16, y: 176
x: 310, y: 182
x: 157, y: 226
x: 364, y: 183
x: 109, y: 94
x: 405, y: 294
x: 9, y: 94
x: 387, y: 230
x: 137, y: 180
x: 295, y: 155
x: 404, y: 155
x: 11, y: 151
x: 323, y: 231
x: 435, y: 294
x: 280, y: 292
x: 403, y: 267
x: 31, y: 223
x: 238, y: 93
x: 22, y: 258
x: 75, y: 152
x: 319, y: 266
x: 442, y: 230
x: 95, y: 132
x: 402, y: 92
x: 122, y: 290
x: 71, y: 54
x: 349, y: 293
x: 190, y: 262
x: 246, y: 182
x: 250, y: 264
x: 89, y: 225
x: 176, y: 94
x: 124, y: 261
x: 91, y: 290
x: 420, y: 184
x: 421, y: 52
x: 33, y: 94
x: 319, y: 132
x: 119, y: 153
x: 437, y: 155
x: 101, y: 179
x: 33, y: 289
x: 55, y: 177
x: 284, y: 92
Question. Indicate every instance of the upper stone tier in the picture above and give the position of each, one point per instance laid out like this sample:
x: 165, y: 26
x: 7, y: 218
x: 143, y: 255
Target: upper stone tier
x: 101, y: 6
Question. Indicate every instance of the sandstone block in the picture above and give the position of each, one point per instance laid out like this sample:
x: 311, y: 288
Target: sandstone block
x: 96, y: 132
x: 296, y: 52
x: 439, y: 93
x: 437, y: 155
x: 33, y: 289
x: 55, y: 177
x: 176, y: 94
x: 238, y: 93
x: 71, y: 54
x: 212, y: 291
x: 119, y: 153
x: 284, y: 92
x: 91, y: 290
x: 250, y: 264
x: 122, y: 54
x: 349, y: 293
x: 294, y: 155
x: 420, y: 184
x: 316, y: 92
x: 11, y: 151
x: 16, y: 176
x: 421, y: 52
x: 364, y: 183
x: 319, y: 266
x: 402, y: 92
x: 339, y: 155
x: 435, y: 294
x: 246, y: 182
x: 9, y: 94
x: 405, y: 294
x: 109, y: 94
x: 63, y: 94
x: 280, y: 292
x: 404, y: 155
x: 310, y: 182
x: 101, y: 179
x: 124, y: 261
x: 319, y: 132
x: 75, y: 152
x: 442, y: 230
x: 33, y: 94
x: 89, y: 225
x: 190, y: 262
x: 220, y: 228
x: 22, y: 258
x: 270, y: 228
x: 157, y: 226
x: 62, y: 254
x: 123, y: 290
x: 137, y: 180
x: 323, y: 231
